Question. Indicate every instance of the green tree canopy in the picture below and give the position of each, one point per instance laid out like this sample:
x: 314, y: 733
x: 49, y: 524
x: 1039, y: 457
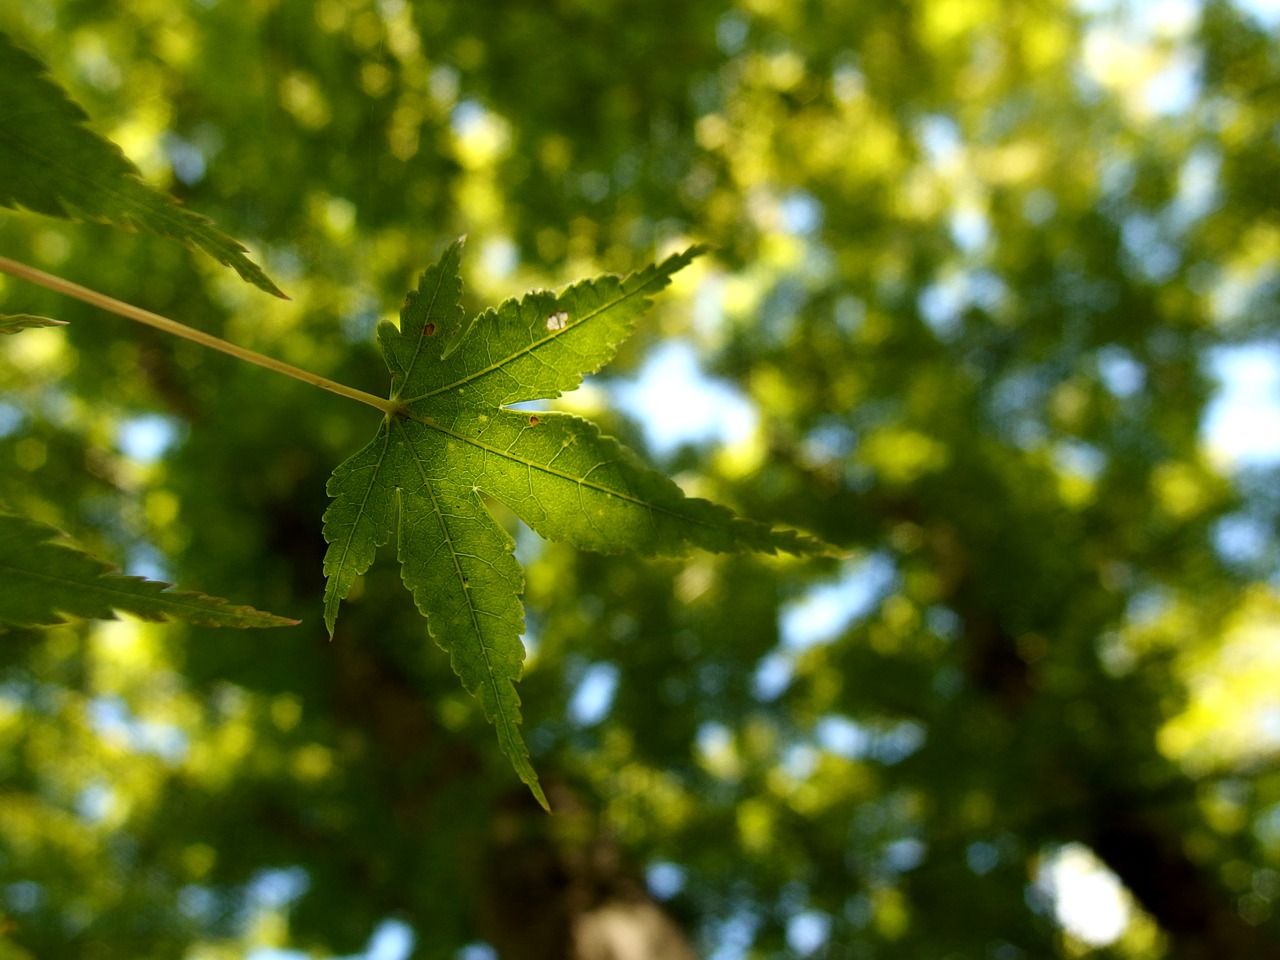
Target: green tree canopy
x: 980, y: 274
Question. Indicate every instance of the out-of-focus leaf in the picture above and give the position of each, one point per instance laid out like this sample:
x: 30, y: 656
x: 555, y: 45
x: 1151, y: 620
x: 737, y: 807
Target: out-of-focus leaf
x: 13, y: 323
x: 53, y: 164
x: 42, y: 581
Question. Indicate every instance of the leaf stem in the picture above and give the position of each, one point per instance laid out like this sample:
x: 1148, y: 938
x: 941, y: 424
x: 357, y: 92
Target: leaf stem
x: 119, y: 307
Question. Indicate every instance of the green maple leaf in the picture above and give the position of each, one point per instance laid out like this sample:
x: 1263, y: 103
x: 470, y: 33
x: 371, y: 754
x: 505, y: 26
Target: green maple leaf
x: 14, y: 322
x: 452, y: 437
x: 41, y: 580
x: 51, y: 163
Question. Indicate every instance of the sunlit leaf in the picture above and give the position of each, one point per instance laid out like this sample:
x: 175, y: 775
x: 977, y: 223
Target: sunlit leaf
x: 423, y: 473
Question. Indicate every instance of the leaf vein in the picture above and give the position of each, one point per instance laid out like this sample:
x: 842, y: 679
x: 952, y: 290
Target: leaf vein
x: 454, y: 556
x: 540, y: 342
x: 532, y: 465
x: 418, y: 346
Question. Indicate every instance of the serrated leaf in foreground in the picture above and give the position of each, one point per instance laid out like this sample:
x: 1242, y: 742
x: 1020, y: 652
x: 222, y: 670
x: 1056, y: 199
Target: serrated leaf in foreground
x: 15, y: 322
x: 453, y: 438
x: 42, y: 582
x: 55, y: 165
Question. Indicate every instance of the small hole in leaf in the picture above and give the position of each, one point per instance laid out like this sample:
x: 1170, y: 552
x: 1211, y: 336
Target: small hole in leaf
x: 558, y: 320
x: 533, y: 421
x: 429, y: 329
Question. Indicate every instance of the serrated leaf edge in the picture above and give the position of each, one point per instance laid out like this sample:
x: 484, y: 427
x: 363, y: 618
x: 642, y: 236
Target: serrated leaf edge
x: 332, y: 597
x: 187, y: 605
x: 509, y: 738
x: 661, y: 276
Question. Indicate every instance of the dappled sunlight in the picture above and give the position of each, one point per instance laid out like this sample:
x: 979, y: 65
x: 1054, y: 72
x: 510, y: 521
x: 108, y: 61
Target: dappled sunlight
x: 988, y: 305
x: 901, y: 457
x: 105, y: 763
x: 1232, y: 717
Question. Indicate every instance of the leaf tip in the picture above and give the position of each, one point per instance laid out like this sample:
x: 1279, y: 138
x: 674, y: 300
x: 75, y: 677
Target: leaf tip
x: 258, y: 277
x: 24, y: 321
x: 800, y: 544
x: 536, y: 789
x: 682, y: 258
x: 276, y: 622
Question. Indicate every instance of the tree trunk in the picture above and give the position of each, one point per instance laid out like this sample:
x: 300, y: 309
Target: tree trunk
x: 559, y: 887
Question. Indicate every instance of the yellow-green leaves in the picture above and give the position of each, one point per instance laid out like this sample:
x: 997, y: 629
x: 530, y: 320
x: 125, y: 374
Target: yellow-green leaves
x: 51, y: 163
x: 453, y: 438
x: 41, y: 580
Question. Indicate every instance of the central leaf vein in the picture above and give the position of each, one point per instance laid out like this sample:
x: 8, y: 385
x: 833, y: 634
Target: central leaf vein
x: 544, y: 341
x: 450, y: 541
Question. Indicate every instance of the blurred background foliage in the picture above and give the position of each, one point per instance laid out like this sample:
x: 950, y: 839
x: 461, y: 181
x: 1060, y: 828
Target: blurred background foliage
x: 994, y: 308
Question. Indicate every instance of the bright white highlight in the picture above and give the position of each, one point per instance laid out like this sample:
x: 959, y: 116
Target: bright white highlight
x: 1088, y: 900
x: 1242, y: 424
x: 676, y: 403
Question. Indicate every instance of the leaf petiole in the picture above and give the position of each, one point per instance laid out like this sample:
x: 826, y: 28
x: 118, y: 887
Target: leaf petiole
x: 128, y: 310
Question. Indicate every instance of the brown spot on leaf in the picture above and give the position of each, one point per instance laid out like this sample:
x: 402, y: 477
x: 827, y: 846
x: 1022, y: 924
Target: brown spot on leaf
x: 533, y: 421
x: 429, y: 329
